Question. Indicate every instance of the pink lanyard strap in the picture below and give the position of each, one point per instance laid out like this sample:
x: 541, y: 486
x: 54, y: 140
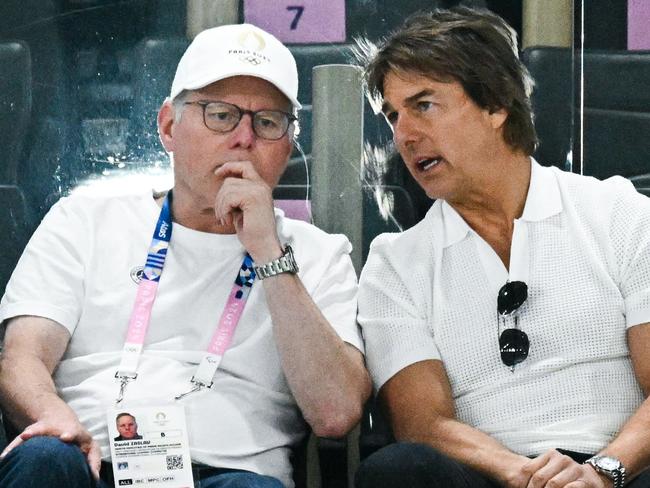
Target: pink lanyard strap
x: 144, y: 300
x: 223, y: 334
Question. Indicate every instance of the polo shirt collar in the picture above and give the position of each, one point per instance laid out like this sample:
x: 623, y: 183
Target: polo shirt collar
x: 542, y: 201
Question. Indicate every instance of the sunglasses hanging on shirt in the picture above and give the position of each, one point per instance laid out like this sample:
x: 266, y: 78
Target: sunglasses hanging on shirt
x: 513, y: 342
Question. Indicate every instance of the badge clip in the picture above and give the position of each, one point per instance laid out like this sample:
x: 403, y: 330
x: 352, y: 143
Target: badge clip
x: 198, y: 386
x: 124, y: 381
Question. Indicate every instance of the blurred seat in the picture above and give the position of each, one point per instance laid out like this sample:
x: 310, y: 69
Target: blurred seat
x: 36, y: 23
x: 101, y: 37
x: 15, y: 107
x: 616, y: 113
x: 156, y: 60
x: 15, y: 225
x: 386, y: 15
x: 616, y: 110
x: 642, y: 184
x: 552, y: 99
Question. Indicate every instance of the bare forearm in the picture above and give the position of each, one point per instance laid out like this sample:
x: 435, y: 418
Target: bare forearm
x: 28, y: 392
x: 326, y: 375
x: 467, y: 445
x: 632, y: 445
x: 405, y: 396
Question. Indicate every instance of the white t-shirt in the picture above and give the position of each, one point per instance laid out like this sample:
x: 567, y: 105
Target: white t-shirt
x: 583, y: 248
x: 79, y: 268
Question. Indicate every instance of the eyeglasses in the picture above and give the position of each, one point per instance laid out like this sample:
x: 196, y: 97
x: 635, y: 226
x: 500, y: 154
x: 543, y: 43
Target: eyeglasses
x: 224, y: 117
x: 513, y: 342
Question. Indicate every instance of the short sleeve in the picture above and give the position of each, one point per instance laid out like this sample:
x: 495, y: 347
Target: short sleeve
x: 336, y: 293
x: 49, y: 278
x: 630, y: 237
x: 394, y: 324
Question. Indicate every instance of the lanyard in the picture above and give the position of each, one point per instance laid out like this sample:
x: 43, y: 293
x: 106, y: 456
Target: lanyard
x: 146, y: 294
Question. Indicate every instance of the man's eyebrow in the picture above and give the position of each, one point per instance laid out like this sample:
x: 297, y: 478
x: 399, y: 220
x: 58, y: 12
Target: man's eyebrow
x: 409, y: 100
x: 422, y: 93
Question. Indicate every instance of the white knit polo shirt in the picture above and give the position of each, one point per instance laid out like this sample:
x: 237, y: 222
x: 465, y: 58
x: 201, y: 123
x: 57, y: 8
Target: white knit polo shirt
x: 583, y: 248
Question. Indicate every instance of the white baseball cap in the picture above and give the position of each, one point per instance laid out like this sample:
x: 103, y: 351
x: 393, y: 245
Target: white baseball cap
x: 233, y: 50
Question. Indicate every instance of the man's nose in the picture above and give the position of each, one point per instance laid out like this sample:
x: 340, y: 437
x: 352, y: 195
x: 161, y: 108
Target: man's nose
x: 243, y: 134
x: 405, y: 131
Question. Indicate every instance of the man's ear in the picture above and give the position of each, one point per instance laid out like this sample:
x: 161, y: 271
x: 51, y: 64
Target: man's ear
x: 165, y: 125
x: 498, y: 118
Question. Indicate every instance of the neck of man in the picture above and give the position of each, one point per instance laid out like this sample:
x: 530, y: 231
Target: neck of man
x: 497, y: 196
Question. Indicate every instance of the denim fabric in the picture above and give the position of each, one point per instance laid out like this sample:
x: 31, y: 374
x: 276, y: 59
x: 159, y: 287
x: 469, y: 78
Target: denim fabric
x: 410, y: 465
x: 44, y: 462
x: 413, y: 465
x: 47, y: 462
x: 237, y: 479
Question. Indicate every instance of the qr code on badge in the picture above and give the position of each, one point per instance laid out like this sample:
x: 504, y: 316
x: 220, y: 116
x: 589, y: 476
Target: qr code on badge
x: 175, y: 461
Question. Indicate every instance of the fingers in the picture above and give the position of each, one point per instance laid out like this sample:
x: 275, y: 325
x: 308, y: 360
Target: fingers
x: 555, y: 470
x: 73, y: 435
x: 233, y: 196
x: 12, y: 445
x: 550, y: 466
x: 94, y: 458
x: 534, y: 465
x: 238, y: 169
x: 37, y: 429
x: 240, y: 193
x: 240, y: 197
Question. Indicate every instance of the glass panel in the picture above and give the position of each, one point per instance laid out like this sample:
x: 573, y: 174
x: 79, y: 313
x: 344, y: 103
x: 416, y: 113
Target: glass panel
x: 100, y: 70
x: 615, y: 107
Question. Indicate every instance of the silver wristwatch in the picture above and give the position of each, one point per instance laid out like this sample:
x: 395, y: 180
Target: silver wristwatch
x: 610, y: 467
x: 284, y: 264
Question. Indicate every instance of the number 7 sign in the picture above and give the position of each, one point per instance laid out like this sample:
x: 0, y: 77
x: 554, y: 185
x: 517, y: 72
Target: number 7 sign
x: 299, y: 21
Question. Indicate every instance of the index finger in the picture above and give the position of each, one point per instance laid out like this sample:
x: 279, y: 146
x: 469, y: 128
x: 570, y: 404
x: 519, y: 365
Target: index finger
x: 238, y: 169
x: 535, y: 464
x: 12, y: 445
x: 94, y: 458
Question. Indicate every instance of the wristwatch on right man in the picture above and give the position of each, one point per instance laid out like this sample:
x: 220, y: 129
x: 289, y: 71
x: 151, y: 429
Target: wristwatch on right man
x: 610, y: 467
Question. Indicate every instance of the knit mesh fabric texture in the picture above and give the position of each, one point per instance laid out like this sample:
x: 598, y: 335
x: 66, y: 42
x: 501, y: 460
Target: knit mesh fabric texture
x: 589, y: 279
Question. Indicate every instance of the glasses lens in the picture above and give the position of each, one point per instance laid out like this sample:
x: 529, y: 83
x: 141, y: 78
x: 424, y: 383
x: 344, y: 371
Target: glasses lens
x: 512, y: 295
x: 221, y: 117
x: 514, y: 346
x: 270, y: 124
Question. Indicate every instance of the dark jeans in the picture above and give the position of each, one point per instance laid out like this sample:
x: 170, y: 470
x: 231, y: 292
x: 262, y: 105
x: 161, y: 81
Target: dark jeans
x: 46, y: 462
x: 409, y: 465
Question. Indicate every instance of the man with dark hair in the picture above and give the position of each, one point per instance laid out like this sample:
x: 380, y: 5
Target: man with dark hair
x: 507, y: 333
x: 242, y: 316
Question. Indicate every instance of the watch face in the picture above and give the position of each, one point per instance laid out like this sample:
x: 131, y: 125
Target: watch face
x: 608, y: 463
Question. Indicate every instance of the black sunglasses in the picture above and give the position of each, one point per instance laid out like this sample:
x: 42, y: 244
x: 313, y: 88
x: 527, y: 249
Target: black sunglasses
x: 513, y: 342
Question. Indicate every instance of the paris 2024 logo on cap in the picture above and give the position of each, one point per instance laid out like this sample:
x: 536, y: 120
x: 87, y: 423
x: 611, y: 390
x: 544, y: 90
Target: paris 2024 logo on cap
x: 252, y: 44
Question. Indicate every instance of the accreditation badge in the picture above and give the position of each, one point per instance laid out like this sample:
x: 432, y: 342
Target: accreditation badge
x: 149, y: 447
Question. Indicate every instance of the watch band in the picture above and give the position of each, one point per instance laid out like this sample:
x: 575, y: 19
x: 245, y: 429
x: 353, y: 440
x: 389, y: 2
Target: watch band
x: 284, y: 264
x: 610, y: 467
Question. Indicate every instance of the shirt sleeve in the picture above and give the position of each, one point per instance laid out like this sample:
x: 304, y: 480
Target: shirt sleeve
x: 336, y: 292
x: 630, y: 237
x: 391, y: 314
x: 49, y: 278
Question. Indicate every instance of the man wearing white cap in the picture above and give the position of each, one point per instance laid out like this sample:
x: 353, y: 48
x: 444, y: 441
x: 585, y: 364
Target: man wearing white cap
x: 89, y: 327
